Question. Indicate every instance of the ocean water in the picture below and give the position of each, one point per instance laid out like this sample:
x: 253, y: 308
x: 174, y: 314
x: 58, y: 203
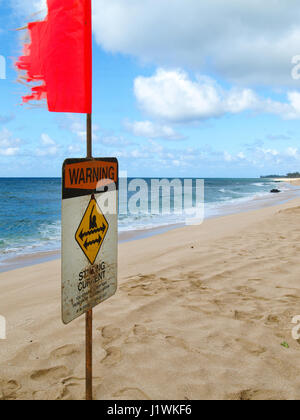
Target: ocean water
x: 30, y: 209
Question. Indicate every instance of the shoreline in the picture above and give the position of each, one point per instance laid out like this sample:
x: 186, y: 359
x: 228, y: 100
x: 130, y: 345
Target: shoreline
x: 268, y: 200
x: 292, y: 181
x: 192, y: 305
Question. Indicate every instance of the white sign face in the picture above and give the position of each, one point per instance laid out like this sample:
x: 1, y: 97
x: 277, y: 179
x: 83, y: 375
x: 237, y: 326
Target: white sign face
x: 89, y: 234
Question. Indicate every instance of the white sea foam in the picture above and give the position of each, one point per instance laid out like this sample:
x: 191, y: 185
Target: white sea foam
x: 231, y: 197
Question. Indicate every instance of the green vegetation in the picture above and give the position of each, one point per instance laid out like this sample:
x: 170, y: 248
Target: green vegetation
x: 289, y: 175
x: 293, y: 175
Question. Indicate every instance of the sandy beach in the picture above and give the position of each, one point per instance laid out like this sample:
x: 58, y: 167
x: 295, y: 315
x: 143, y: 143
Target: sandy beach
x: 200, y: 313
x: 292, y: 181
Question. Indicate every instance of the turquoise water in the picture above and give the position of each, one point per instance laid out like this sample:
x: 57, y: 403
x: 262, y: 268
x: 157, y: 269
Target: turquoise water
x: 30, y: 210
x: 29, y: 215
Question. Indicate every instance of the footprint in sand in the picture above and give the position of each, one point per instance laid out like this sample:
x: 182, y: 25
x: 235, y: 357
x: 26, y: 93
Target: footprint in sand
x: 140, y: 335
x: 147, y: 285
x: 64, y: 351
x: 57, y: 392
x: 177, y: 342
x: 198, y: 309
x: 113, y: 356
x: 272, y: 319
x: 8, y: 389
x: 295, y: 297
x: 196, y: 284
x: 246, y: 316
x: 245, y: 289
x: 256, y: 394
x: 74, y: 387
x: 131, y: 394
x: 252, y: 348
x: 110, y: 333
x: 255, y: 280
x: 51, y: 375
x: 193, y: 308
x: 139, y: 330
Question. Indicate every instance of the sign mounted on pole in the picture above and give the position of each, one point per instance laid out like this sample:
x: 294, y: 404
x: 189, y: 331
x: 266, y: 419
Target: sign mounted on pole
x: 89, y: 234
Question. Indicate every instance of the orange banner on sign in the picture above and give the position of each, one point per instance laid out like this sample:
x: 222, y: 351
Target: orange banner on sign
x: 90, y: 174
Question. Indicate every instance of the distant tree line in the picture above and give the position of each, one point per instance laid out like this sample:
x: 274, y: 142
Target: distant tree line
x: 293, y: 175
x: 289, y: 175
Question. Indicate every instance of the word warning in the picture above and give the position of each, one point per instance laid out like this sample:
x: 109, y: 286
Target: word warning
x: 89, y: 234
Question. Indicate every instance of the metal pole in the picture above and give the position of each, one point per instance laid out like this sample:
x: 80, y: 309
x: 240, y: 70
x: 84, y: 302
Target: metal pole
x: 89, y: 136
x: 89, y: 314
x: 89, y: 356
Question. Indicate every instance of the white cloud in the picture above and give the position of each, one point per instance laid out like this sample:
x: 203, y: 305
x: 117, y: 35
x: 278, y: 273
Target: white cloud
x: 77, y: 125
x: 48, y: 146
x: 9, y: 146
x: 115, y: 141
x: 267, y: 155
x: 248, y: 42
x: 172, y: 96
x: 188, y: 160
x: 227, y: 157
x: 75, y: 148
x: 260, y: 156
x: 46, y: 140
x: 242, y: 41
x: 241, y: 155
x: 9, y: 151
x: 26, y: 8
x: 292, y: 151
x: 152, y: 131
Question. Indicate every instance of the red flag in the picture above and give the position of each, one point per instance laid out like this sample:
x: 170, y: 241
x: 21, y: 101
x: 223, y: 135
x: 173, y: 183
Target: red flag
x: 59, y: 57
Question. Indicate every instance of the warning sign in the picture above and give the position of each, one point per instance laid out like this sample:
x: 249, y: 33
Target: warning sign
x: 89, y: 234
x: 91, y: 231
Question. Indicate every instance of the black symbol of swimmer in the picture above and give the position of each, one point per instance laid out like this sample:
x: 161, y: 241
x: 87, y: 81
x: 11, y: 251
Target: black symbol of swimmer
x: 93, y: 220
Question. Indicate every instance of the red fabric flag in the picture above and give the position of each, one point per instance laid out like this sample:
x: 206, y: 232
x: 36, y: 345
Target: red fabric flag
x: 59, y: 57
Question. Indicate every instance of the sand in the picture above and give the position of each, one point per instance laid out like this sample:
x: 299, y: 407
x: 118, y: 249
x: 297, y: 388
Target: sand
x: 292, y: 181
x: 200, y: 313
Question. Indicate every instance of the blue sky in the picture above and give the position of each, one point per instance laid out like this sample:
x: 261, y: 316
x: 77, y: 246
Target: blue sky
x: 178, y: 91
